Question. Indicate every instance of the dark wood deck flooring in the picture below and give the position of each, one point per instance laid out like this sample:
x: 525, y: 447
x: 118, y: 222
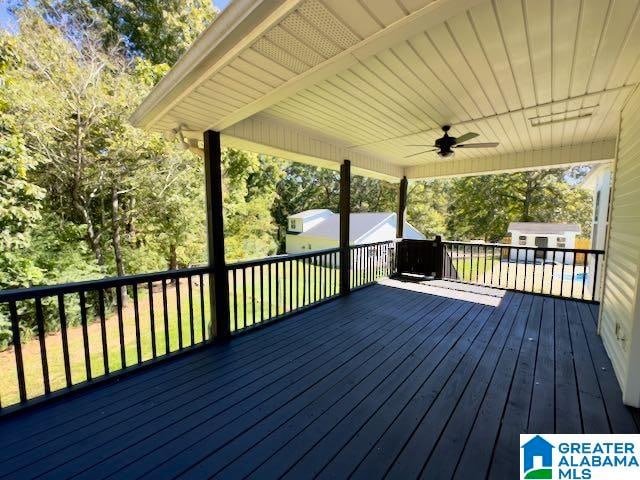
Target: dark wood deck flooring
x: 387, y: 382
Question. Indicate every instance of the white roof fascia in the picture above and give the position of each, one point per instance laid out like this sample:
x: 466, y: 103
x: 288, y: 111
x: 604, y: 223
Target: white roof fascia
x: 237, y: 27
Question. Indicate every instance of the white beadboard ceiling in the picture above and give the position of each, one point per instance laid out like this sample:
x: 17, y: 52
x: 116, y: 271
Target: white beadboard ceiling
x: 322, y: 80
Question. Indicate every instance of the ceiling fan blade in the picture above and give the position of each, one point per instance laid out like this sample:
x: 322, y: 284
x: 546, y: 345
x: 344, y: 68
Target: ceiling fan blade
x: 478, y: 145
x: 419, y: 145
x: 420, y: 153
x: 466, y: 137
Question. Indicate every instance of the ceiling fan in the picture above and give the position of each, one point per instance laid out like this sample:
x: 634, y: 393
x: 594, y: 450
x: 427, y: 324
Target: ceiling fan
x: 445, y: 144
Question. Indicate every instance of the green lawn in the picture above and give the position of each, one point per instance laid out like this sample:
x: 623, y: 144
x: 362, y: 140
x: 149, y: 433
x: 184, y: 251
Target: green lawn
x: 320, y: 282
x: 554, y: 279
x: 480, y: 267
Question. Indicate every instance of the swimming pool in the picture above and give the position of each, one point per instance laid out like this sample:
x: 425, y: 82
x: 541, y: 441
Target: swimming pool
x: 578, y: 277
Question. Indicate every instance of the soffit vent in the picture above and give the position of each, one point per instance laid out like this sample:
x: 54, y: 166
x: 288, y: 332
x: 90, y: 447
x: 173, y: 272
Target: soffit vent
x: 289, y: 43
x: 309, y: 34
x: 319, y: 16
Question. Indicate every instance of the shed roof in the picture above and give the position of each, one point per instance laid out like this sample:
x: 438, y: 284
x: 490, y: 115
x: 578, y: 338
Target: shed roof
x: 544, y: 228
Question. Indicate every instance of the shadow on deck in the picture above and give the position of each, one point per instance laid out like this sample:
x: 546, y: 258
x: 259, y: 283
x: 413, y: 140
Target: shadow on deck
x: 397, y: 379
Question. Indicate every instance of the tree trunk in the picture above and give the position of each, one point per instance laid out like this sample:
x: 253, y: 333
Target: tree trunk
x: 173, y: 260
x: 526, y: 208
x: 173, y: 257
x: 115, y: 238
x: 80, y: 203
x: 131, y: 226
x: 92, y: 235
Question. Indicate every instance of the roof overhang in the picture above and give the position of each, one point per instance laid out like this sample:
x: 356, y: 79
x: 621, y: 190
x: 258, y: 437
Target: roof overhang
x: 320, y: 81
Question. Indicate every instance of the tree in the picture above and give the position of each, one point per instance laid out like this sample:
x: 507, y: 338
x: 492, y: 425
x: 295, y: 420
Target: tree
x: 20, y: 198
x: 83, y: 184
x: 483, y: 206
x: 249, y: 194
x: 159, y: 31
x: 72, y: 99
x: 427, y: 204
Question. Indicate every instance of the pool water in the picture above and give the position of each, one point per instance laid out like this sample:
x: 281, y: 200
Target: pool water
x: 578, y: 277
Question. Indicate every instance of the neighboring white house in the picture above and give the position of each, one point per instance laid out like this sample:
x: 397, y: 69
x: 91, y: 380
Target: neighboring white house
x: 320, y: 229
x: 304, y: 221
x: 544, y: 235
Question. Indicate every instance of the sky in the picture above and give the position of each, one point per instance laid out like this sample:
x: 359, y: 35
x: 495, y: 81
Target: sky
x: 7, y: 21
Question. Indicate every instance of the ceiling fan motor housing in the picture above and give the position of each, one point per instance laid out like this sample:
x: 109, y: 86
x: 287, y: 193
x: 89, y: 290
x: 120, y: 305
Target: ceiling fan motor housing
x: 444, y: 145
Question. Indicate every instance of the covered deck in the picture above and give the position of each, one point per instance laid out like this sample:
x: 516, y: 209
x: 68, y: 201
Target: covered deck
x: 397, y: 379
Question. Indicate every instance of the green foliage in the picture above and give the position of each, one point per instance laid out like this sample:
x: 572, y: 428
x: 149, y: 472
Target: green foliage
x: 157, y: 30
x: 482, y: 207
x: 427, y: 203
x: 20, y: 198
x: 249, y: 194
x: 462, y: 208
x: 83, y: 194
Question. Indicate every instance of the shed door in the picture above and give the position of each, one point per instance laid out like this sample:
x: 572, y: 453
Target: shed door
x: 542, y: 242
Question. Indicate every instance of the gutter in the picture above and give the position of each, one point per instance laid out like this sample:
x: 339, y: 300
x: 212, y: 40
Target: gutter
x: 236, y: 28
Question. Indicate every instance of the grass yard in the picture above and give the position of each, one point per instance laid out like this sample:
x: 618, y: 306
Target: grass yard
x: 553, y: 279
x: 477, y: 269
x: 320, y: 282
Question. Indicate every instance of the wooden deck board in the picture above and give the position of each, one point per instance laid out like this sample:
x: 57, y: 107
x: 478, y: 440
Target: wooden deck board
x: 386, y: 381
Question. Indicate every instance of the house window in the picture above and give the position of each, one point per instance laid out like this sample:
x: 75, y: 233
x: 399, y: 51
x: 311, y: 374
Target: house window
x: 522, y: 240
x: 597, y: 207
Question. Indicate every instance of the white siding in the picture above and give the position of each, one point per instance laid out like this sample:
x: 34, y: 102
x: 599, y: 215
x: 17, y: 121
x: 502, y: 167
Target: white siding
x: 384, y: 232
x: 530, y: 241
x: 600, y: 210
x: 619, y: 318
x: 306, y: 244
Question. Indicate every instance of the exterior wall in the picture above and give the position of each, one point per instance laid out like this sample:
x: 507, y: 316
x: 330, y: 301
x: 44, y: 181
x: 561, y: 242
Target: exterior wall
x: 295, y: 224
x: 382, y: 233
x: 297, y: 244
x: 553, y: 243
x: 600, y: 219
x: 619, y: 313
x: 307, y: 222
x: 601, y: 190
x: 306, y: 244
